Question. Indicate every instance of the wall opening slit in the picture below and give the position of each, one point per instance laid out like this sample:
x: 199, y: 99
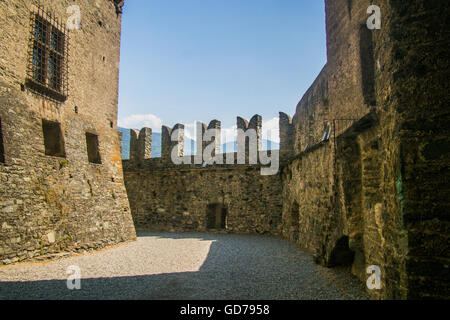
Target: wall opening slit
x: 93, y: 149
x: 367, y: 65
x: 53, y: 139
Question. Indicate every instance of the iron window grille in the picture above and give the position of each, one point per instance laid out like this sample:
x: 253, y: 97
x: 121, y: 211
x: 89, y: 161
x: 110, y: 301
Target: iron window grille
x: 48, y: 55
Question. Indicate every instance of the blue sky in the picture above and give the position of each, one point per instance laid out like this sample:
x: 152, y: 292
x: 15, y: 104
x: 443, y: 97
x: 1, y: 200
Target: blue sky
x: 197, y: 60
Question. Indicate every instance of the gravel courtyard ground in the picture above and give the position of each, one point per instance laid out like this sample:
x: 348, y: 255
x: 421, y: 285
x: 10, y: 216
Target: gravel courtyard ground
x: 185, y: 266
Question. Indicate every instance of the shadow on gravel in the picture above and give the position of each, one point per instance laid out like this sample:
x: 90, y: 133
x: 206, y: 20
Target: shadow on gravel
x: 259, y: 268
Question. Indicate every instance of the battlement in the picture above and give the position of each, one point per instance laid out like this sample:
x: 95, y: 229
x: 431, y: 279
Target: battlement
x: 167, y: 144
x: 287, y: 134
x: 248, y: 141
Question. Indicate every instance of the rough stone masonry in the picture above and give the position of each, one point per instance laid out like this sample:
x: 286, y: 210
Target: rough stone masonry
x: 365, y: 159
x: 61, y: 172
x: 198, y: 197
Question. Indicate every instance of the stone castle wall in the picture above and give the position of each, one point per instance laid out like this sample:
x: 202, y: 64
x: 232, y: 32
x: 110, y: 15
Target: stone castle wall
x: 419, y: 96
x: 363, y: 160
x: 50, y: 204
x: 168, y: 197
x: 179, y: 199
x: 331, y: 189
x: 376, y: 189
x: 342, y: 189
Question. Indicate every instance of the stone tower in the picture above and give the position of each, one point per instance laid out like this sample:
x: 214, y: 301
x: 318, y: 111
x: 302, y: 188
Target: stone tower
x: 60, y: 165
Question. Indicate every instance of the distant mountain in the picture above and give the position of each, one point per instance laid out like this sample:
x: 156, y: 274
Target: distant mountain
x: 189, y: 145
x: 125, y: 142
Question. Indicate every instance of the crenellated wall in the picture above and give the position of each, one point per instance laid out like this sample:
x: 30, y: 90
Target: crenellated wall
x: 249, y: 140
x: 140, y: 144
x: 166, y: 196
x: 363, y: 179
x: 364, y: 161
x: 167, y: 145
x: 287, y: 135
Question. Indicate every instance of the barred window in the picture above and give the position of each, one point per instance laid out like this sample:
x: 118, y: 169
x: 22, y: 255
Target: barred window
x: 47, y: 70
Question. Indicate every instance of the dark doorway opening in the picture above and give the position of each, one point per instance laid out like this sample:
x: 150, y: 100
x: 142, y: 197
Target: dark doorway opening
x: 341, y: 255
x: 216, y: 216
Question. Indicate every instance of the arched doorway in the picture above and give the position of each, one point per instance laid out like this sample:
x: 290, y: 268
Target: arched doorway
x: 341, y: 255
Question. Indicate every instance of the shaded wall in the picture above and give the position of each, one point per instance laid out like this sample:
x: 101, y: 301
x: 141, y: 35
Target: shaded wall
x: 385, y: 171
x: 420, y: 67
x: 177, y: 198
x: 308, y: 197
x: 355, y: 198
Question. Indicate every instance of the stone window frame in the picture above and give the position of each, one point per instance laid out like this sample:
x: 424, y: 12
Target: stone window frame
x: 52, y: 130
x: 48, y: 56
x: 93, y: 142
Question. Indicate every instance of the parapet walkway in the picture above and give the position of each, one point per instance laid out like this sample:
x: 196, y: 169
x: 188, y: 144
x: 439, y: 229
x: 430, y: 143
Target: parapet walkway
x: 185, y: 266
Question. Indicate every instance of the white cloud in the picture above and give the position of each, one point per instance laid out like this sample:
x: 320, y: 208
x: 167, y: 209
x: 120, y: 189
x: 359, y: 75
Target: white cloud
x: 229, y: 134
x: 271, y: 130
x: 139, y: 121
x: 189, y: 131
